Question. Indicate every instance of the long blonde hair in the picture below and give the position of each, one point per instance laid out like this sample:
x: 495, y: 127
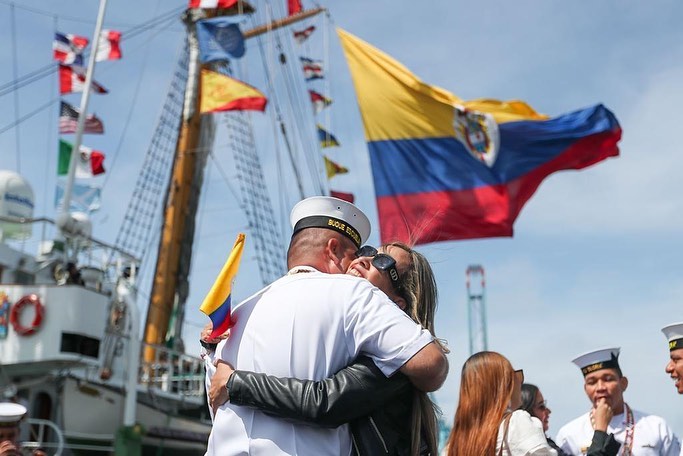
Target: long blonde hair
x: 418, y: 289
x: 486, y: 387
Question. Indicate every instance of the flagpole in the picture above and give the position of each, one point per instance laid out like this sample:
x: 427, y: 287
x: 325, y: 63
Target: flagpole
x: 68, y: 190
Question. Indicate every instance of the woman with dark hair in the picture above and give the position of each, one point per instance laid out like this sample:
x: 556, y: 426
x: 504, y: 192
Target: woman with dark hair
x: 602, y: 445
x: 535, y: 405
x: 386, y: 415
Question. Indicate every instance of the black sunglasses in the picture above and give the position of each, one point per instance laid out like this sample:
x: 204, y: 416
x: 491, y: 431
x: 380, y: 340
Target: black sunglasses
x: 381, y: 261
x: 520, y: 374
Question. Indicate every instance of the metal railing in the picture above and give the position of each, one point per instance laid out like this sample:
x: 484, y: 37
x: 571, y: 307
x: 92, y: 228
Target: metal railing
x: 38, y: 434
x: 173, y: 372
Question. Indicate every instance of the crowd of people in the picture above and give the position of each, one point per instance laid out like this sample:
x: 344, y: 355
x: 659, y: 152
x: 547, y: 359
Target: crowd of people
x: 338, y: 356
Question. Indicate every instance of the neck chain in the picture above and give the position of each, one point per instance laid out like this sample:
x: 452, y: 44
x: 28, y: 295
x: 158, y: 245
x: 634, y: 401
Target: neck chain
x: 627, y: 447
x: 298, y: 269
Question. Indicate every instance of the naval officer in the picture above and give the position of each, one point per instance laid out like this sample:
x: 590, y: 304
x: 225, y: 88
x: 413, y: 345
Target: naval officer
x: 309, y: 324
x: 638, y: 433
x: 674, y: 334
x: 11, y: 415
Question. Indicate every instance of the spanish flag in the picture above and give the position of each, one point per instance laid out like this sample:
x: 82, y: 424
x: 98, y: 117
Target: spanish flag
x: 217, y: 303
x: 223, y: 93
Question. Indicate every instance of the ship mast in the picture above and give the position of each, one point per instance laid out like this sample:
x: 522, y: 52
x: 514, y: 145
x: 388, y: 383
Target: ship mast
x: 170, y: 287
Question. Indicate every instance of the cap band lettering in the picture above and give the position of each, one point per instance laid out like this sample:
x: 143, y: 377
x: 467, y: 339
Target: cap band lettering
x: 332, y: 223
x: 675, y: 344
x: 609, y: 364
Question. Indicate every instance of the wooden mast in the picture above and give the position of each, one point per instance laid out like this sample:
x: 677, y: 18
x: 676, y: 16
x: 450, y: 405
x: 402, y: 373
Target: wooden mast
x: 179, y: 211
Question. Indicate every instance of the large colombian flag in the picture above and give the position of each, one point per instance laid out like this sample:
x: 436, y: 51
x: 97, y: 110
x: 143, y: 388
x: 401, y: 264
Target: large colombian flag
x: 217, y: 303
x: 445, y: 168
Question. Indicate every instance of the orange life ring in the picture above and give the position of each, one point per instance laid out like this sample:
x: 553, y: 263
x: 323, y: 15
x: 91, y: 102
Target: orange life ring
x: 15, y: 313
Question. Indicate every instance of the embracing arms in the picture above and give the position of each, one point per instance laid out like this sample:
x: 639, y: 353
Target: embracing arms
x: 352, y: 392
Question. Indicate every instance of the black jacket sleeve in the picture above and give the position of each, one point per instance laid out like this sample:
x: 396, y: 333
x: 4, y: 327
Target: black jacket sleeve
x: 603, y: 444
x: 352, y: 392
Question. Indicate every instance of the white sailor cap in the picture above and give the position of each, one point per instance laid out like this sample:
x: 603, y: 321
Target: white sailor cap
x: 604, y: 358
x: 331, y: 213
x: 674, y: 334
x: 11, y: 413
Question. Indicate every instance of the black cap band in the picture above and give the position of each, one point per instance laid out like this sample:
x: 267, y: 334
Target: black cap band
x: 609, y: 364
x: 332, y: 223
x: 675, y: 344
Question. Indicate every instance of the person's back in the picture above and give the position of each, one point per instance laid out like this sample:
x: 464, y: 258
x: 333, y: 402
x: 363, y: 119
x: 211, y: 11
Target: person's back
x: 307, y: 325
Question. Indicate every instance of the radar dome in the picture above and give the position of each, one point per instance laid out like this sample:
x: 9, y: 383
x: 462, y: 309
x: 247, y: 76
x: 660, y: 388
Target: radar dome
x: 16, y: 201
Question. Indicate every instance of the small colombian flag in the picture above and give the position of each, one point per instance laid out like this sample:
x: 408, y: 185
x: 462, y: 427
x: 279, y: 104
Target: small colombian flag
x: 217, y: 303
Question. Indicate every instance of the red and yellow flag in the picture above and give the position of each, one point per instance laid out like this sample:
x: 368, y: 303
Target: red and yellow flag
x: 223, y: 93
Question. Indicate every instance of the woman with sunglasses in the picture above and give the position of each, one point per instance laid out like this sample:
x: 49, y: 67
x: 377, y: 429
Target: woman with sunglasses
x: 386, y: 415
x: 603, y: 444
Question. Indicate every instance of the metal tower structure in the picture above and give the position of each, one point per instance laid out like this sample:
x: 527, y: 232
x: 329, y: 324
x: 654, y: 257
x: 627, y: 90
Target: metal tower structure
x: 476, y: 308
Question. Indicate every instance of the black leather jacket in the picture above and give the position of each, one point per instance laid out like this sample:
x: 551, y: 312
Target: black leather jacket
x: 377, y: 408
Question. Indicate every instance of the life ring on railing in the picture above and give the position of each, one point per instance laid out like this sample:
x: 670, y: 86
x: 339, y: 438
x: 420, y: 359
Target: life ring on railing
x: 15, y: 315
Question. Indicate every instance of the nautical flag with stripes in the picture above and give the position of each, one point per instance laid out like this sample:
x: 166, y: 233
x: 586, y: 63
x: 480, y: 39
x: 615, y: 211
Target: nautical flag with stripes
x: 326, y: 138
x: 212, y: 3
x: 319, y: 101
x: 223, y: 93
x: 333, y: 168
x: 108, y: 47
x: 302, y: 35
x: 313, y: 69
x: 72, y: 79
x: 217, y: 303
x: 68, y: 48
x: 68, y: 120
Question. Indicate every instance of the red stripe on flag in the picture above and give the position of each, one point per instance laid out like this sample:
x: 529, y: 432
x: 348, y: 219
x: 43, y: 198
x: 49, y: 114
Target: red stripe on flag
x: 244, y: 104
x: 487, y: 211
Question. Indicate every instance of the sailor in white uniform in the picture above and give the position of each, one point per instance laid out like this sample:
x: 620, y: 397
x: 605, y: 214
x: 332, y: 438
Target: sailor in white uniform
x: 310, y: 324
x: 11, y: 415
x: 639, y: 433
x: 674, y: 334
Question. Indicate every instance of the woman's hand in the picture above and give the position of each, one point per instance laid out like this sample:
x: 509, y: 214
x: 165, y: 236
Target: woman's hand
x: 602, y: 414
x: 218, y: 392
x: 205, y: 335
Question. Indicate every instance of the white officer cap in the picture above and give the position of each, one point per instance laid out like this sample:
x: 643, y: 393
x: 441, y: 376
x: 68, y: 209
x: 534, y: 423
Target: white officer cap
x: 604, y: 358
x: 331, y: 213
x: 674, y: 334
x: 11, y: 413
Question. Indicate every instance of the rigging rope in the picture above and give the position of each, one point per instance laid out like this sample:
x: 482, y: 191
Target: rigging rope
x: 15, y: 64
x: 48, y: 70
x: 142, y: 211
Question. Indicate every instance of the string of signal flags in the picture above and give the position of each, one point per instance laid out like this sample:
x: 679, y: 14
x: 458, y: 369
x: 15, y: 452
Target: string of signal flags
x: 220, y: 39
x: 68, y: 49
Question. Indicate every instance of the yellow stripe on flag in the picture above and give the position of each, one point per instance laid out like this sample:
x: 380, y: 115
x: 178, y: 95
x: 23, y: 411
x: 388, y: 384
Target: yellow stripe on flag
x: 222, y: 287
x: 395, y: 104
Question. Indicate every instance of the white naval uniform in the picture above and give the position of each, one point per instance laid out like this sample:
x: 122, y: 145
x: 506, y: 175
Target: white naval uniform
x: 651, y: 436
x: 525, y: 437
x: 308, y: 326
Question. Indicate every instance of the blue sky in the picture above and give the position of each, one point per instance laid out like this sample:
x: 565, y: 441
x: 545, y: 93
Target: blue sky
x: 595, y: 257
